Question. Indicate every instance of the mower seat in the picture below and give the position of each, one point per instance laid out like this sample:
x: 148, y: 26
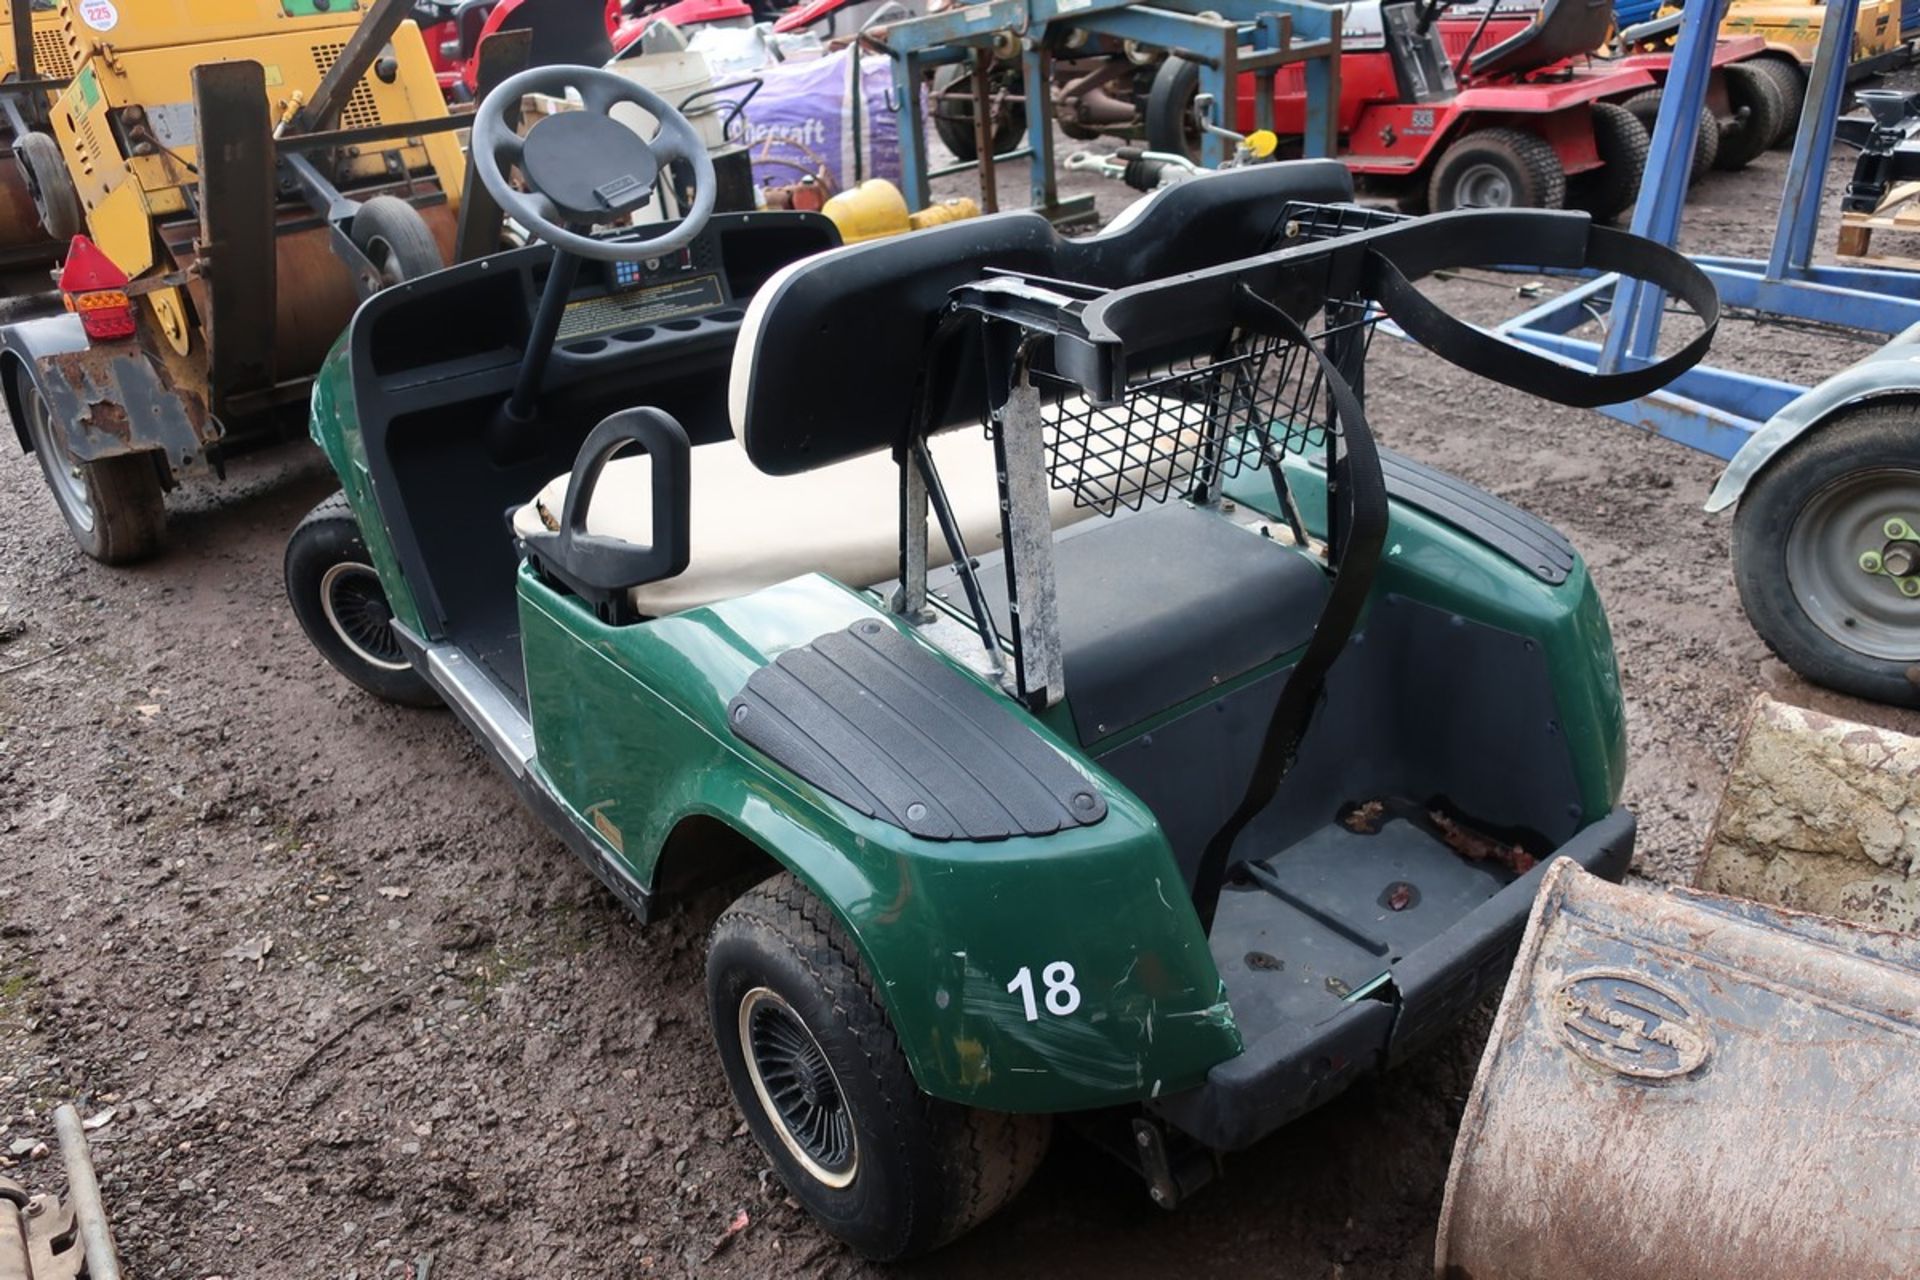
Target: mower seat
x: 750, y: 530
x: 1562, y: 29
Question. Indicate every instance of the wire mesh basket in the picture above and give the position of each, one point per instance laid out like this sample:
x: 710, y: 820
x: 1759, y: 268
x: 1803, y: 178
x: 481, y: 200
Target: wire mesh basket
x: 1183, y: 429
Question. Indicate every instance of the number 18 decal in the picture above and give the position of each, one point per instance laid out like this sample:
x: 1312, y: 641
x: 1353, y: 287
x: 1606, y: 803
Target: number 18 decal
x: 1062, y: 997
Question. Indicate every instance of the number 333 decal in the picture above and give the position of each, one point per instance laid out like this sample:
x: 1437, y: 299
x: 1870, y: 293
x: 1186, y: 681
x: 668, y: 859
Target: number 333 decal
x: 1061, y: 998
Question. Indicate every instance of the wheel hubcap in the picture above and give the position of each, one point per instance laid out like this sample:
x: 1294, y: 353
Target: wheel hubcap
x: 64, y: 476
x: 797, y: 1088
x: 1853, y: 561
x: 357, y: 610
x: 1483, y: 186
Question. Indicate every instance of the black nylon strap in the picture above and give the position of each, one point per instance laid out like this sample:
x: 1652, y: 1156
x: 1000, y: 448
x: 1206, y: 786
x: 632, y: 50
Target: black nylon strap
x: 1392, y: 268
x: 1355, y: 561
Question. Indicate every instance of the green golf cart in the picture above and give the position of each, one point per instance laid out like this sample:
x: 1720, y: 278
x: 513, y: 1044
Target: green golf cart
x: 1094, y: 720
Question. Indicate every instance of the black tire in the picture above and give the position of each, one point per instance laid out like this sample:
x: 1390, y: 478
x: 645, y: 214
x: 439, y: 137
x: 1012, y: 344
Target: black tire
x: 889, y: 1170
x: 396, y: 239
x: 1622, y: 142
x: 113, y: 507
x: 953, y: 117
x: 336, y: 595
x: 1497, y: 168
x: 1756, y: 93
x: 1827, y: 485
x: 1791, y: 80
x: 50, y: 185
x: 1645, y: 106
x: 1169, y: 121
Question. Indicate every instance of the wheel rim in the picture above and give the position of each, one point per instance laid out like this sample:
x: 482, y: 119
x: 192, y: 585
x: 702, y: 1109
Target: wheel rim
x: 1841, y: 529
x: 797, y: 1088
x: 357, y: 610
x: 1483, y: 186
x: 64, y: 475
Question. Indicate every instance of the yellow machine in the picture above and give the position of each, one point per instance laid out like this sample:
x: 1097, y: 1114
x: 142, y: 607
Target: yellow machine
x: 24, y: 238
x: 1792, y: 27
x: 244, y: 172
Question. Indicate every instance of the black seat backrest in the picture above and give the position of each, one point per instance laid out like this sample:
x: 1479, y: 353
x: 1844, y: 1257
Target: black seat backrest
x: 831, y: 355
x: 1563, y: 29
x: 468, y: 20
x: 565, y: 32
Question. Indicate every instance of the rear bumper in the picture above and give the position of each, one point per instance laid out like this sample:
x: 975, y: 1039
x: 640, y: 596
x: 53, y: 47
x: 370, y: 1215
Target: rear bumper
x: 1295, y: 1069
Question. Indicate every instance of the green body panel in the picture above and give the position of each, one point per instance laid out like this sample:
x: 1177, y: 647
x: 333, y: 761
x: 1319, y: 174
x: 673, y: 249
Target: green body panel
x: 1428, y: 560
x: 334, y: 424
x: 631, y: 727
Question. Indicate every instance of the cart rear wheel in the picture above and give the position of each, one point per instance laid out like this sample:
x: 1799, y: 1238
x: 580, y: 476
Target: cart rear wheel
x: 1621, y: 139
x: 1755, y: 92
x: 1645, y: 106
x: 1498, y: 169
x: 396, y: 239
x: 112, y: 506
x: 815, y: 1067
x: 953, y: 116
x: 1826, y: 553
x: 1169, y: 115
x: 1792, y: 83
x: 337, y: 596
x: 50, y: 185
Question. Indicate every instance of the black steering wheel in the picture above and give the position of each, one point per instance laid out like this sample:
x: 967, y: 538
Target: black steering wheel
x: 584, y: 167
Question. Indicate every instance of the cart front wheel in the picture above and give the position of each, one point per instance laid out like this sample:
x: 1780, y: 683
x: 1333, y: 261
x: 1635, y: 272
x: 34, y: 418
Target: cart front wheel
x: 337, y: 596
x: 815, y: 1067
x: 1827, y: 553
x: 112, y: 506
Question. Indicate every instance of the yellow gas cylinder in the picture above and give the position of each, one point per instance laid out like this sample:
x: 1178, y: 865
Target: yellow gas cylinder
x: 946, y: 211
x: 876, y: 208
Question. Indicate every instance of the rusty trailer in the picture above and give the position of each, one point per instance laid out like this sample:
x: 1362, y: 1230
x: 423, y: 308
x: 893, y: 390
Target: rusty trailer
x: 1683, y: 1086
x: 45, y: 1238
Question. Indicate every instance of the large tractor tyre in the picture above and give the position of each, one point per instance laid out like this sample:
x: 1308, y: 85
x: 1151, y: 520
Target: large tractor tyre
x: 953, y: 116
x: 113, y: 506
x: 337, y: 596
x: 1645, y: 106
x: 396, y: 239
x: 50, y: 186
x: 1169, y: 121
x: 1622, y: 142
x: 1498, y: 169
x: 1792, y: 83
x: 1826, y: 553
x: 815, y: 1067
x: 1759, y: 110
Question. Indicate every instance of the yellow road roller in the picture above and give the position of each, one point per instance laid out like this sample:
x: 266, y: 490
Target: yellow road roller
x: 233, y: 177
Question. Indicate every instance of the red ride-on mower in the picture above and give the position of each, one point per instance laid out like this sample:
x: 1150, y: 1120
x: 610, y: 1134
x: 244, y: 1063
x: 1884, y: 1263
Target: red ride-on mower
x: 1520, y: 132
x: 1752, y: 95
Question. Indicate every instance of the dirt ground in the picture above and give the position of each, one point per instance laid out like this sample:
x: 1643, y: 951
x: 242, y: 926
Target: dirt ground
x: 353, y: 1014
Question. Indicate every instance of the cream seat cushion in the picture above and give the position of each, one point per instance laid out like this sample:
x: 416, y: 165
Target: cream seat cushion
x: 750, y: 530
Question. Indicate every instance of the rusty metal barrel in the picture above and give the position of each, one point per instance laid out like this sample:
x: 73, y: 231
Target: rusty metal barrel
x: 1683, y: 1086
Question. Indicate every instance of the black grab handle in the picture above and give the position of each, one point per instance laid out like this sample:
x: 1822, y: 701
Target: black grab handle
x: 594, y: 565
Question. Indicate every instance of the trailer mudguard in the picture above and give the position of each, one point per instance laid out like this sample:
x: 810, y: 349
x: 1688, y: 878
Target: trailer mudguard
x: 1032, y: 973
x: 1893, y: 370
x: 111, y: 399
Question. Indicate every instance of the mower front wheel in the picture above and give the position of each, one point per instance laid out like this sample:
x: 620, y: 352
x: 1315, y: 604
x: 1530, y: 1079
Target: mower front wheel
x: 113, y: 506
x: 396, y: 239
x: 1645, y: 106
x: 337, y: 597
x: 816, y: 1069
x: 1760, y: 110
x: 1622, y: 142
x: 1826, y: 553
x: 1498, y: 169
x: 1792, y: 83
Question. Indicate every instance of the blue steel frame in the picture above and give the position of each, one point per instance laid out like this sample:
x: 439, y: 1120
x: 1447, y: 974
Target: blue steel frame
x: 1710, y: 409
x: 1210, y: 32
